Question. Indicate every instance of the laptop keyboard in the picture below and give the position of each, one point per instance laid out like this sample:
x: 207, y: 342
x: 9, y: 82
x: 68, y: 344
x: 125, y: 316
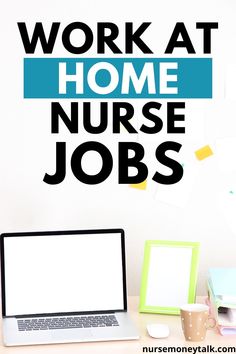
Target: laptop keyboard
x: 48, y: 323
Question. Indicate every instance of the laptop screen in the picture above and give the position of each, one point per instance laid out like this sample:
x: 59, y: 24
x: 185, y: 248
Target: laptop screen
x: 62, y: 273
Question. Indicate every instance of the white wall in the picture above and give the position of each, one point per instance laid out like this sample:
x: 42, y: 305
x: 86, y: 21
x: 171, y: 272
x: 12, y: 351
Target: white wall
x: 202, y: 209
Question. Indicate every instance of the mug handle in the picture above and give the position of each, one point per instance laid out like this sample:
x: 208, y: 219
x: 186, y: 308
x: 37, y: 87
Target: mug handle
x: 211, y: 323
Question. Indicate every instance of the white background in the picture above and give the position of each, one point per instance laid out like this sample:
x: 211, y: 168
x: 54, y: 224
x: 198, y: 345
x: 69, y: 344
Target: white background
x: 201, y: 208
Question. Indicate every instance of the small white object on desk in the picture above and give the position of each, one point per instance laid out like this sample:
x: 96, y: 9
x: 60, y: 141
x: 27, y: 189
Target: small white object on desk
x: 158, y: 330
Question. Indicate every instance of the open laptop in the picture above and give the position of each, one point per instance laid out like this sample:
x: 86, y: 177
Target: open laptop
x: 64, y: 286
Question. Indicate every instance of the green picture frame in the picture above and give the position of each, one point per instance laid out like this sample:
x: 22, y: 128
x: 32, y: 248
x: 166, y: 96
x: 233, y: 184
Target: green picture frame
x: 169, y: 276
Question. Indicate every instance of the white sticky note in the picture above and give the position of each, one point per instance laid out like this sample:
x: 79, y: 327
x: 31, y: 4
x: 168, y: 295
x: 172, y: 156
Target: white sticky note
x: 226, y: 201
x: 225, y: 149
x: 178, y: 194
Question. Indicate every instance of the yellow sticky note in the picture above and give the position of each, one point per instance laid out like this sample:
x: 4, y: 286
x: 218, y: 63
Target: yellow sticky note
x: 204, y: 152
x: 142, y: 185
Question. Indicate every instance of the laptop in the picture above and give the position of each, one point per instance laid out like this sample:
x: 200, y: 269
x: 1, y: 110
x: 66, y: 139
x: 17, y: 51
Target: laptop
x: 64, y: 286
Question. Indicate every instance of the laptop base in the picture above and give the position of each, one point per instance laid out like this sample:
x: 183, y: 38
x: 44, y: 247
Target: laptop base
x: 13, y: 337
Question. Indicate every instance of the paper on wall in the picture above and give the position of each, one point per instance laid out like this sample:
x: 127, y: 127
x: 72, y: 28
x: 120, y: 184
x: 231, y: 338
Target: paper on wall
x: 178, y: 194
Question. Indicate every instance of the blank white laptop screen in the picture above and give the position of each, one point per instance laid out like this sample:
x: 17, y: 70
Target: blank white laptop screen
x: 63, y: 273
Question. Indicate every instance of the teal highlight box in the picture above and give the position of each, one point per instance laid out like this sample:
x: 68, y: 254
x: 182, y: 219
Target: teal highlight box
x: 41, y: 78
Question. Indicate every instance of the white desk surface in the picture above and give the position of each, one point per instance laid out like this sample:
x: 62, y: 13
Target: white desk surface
x: 130, y: 347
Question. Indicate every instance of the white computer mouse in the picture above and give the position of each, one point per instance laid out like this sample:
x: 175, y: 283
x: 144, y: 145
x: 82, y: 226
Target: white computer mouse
x: 158, y: 330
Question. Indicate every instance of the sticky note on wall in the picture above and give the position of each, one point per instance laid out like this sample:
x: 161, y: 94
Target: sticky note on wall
x: 142, y: 185
x: 203, y: 153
